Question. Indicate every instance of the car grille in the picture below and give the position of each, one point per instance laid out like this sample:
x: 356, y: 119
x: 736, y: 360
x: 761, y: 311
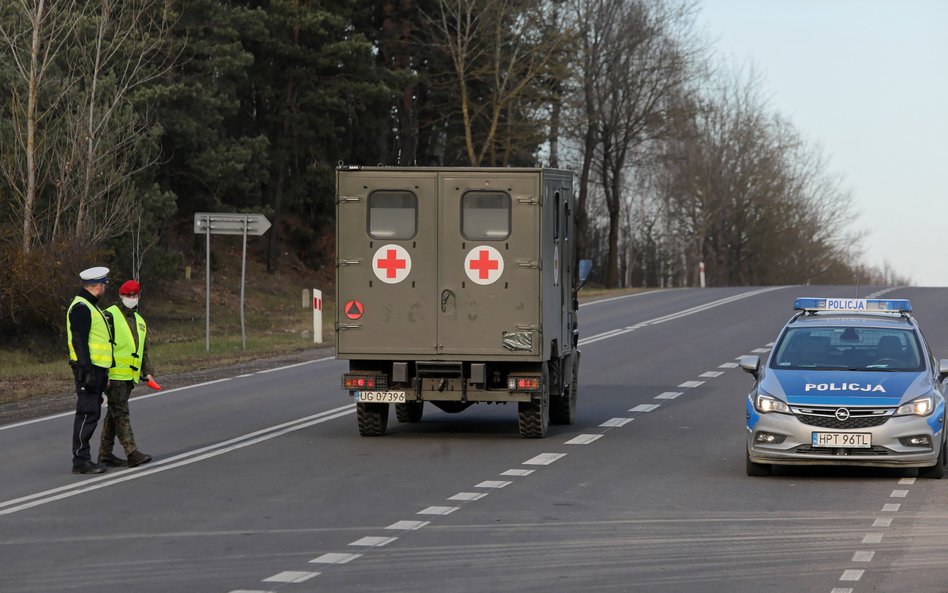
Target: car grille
x: 859, y: 417
x: 811, y: 450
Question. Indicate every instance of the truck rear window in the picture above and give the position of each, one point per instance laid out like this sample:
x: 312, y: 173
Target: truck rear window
x: 485, y: 215
x: 393, y: 214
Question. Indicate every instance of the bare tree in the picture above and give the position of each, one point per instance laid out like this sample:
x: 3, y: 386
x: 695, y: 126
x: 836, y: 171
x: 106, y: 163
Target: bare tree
x: 499, y: 50
x: 35, y: 39
x: 87, y: 136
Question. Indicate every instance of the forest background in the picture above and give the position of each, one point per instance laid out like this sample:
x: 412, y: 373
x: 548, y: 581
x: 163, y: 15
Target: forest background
x: 119, y: 119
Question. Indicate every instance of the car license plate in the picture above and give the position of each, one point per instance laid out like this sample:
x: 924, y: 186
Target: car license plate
x: 383, y: 397
x: 851, y: 440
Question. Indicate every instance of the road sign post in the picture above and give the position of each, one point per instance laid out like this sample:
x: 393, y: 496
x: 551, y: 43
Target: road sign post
x: 227, y: 224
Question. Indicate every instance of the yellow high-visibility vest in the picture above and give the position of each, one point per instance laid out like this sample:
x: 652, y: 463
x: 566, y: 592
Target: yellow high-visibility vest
x: 100, y: 337
x: 128, y: 358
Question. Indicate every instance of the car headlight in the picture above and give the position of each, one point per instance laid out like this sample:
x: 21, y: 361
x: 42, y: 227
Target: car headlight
x: 765, y: 404
x: 920, y: 406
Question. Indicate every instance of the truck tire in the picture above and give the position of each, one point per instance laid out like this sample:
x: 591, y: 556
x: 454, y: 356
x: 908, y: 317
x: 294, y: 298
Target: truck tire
x: 563, y: 406
x: 534, y: 415
x: 373, y: 419
x: 409, y: 412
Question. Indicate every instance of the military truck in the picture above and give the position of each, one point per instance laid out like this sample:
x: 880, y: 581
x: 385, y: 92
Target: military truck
x: 457, y: 286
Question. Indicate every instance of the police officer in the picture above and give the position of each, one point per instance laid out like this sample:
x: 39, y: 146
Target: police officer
x: 89, y: 338
x: 131, y: 363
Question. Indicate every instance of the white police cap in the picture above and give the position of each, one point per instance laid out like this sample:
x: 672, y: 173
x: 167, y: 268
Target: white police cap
x: 97, y: 274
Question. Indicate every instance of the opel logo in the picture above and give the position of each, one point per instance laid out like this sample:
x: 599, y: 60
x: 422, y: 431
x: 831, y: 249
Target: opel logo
x: 842, y: 414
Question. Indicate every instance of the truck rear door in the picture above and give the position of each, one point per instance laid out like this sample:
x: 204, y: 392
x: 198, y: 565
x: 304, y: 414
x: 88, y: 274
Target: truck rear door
x: 489, y: 275
x: 386, y: 235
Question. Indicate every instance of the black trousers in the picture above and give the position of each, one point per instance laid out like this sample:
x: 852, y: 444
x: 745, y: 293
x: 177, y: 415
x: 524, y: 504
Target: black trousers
x: 88, y: 409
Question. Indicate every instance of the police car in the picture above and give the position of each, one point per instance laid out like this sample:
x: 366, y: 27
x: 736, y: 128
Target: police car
x: 848, y: 382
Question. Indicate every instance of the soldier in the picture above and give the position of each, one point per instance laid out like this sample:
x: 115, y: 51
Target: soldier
x: 89, y: 338
x: 131, y: 363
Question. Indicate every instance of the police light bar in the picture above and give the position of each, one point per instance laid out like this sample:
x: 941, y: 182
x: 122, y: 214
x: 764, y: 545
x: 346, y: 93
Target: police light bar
x: 858, y: 305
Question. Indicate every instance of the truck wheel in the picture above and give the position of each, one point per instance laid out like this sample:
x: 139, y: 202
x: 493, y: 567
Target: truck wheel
x: 409, y: 411
x: 534, y: 415
x: 373, y: 419
x: 563, y: 407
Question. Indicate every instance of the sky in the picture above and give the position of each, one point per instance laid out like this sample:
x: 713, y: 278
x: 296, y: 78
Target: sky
x: 866, y: 80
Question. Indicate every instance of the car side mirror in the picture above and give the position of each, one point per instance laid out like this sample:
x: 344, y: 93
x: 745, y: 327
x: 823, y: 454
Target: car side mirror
x: 585, y: 267
x: 751, y: 364
x: 942, y: 369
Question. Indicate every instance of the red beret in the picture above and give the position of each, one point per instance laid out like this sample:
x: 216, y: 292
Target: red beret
x: 130, y: 287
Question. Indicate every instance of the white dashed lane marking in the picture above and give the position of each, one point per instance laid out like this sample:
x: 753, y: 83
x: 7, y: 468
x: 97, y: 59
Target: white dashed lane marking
x: 544, y: 459
x: 438, y: 510
x: 468, y: 496
x: 584, y: 439
x: 851, y: 575
x: 862, y: 556
x: 493, y: 484
x: 373, y: 541
x: 760, y: 350
x: 891, y: 507
x: 616, y: 422
x: 872, y: 538
x: 882, y: 523
x: 644, y: 408
x: 711, y: 374
x: 841, y: 590
x: 899, y: 494
x: 291, y: 576
x: 335, y: 558
x: 728, y: 365
x: 691, y: 384
x: 518, y: 472
x: 668, y: 395
x: 906, y: 481
x: 251, y: 591
x: 408, y: 525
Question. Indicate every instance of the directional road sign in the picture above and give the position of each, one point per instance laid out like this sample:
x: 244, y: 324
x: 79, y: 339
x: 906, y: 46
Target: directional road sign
x: 230, y: 224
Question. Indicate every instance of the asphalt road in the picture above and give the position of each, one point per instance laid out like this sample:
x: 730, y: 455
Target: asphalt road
x: 261, y: 483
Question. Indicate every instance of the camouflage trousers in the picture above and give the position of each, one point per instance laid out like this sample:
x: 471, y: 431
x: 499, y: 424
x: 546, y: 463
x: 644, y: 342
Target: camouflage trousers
x: 116, y: 423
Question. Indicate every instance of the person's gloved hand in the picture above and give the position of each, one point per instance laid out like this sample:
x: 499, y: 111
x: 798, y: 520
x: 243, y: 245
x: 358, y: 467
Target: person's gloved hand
x: 88, y: 379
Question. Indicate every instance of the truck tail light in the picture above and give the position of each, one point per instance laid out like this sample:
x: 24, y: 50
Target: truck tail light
x: 525, y: 383
x: 357, y: 381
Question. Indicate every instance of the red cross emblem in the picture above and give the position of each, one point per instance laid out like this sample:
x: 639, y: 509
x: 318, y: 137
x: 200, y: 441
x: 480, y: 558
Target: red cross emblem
x: 484, y: 265
x: 391, y: 263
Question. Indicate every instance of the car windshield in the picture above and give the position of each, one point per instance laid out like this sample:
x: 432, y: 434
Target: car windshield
x: 849, y: 348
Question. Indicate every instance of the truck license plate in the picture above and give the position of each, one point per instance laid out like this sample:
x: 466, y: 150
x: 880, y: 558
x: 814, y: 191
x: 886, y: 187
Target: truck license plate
x: 382, y: 397
x: 850, y: 440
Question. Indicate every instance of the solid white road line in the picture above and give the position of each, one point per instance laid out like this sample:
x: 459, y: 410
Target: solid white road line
x: 166, y: 392
x: 187, y: 458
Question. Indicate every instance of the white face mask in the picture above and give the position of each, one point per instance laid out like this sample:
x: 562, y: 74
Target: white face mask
x: 130, y: 302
